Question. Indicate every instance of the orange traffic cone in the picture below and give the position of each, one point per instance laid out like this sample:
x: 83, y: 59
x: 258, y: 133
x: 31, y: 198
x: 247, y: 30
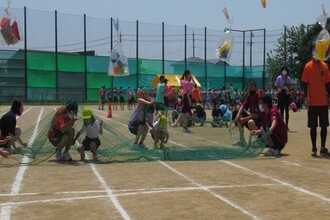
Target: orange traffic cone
x: 109, y: 110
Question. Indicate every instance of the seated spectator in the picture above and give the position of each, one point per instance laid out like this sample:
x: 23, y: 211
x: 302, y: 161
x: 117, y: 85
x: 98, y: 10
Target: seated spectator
x: 198, y: 113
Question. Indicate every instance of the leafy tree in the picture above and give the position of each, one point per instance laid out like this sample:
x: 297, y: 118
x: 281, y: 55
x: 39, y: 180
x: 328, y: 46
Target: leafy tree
x: 287, y: 52
x: 293, y: 50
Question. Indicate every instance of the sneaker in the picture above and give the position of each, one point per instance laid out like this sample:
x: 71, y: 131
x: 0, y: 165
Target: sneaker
x: 187, y: 130
x: 67, y: 156
x: 221, y: 124
x: 324, y: 152
x: 239, y: 143
x: 58, y: 155
x: 213, y: 124
x: 272, y: 152
x: 95, y: 157
x: 314, y: 152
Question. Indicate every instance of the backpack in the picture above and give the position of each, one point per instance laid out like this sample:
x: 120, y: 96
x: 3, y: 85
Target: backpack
x: 162, y: 121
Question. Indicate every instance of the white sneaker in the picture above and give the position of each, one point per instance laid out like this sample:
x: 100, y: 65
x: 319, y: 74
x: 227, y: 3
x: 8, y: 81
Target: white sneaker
x: 58, y: 155
x: 272, y: 152
x: 66, y: 156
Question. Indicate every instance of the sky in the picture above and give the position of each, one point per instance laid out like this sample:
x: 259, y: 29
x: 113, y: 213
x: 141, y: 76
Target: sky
x: 196, y: 14
x: 247, y: 14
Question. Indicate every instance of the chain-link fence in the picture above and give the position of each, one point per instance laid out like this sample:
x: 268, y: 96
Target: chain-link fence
x: 63, y: 54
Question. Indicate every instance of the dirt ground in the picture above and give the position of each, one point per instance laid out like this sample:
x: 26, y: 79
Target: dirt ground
x: 294, y: 186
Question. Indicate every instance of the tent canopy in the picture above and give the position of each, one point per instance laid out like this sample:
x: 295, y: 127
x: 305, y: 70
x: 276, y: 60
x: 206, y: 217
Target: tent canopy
x: 172, y: 80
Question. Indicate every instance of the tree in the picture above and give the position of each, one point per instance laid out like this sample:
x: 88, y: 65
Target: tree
x: 294, y: 50
x: 287, y: 52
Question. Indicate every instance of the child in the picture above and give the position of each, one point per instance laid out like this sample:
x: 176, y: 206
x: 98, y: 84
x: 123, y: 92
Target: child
x: 216, y: 114
x: 226, y: 114
x: 198, y: 113
x: 272, y: 122
x: 93, y: 128
x: 160, y: 132
x: 8, y: 128
x: 61, y: 132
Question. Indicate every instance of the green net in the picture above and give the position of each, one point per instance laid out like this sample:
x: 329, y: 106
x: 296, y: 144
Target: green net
x: 203, y: 143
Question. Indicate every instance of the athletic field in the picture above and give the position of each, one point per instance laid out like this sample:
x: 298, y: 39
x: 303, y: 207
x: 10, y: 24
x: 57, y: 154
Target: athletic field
x: 294, y: 186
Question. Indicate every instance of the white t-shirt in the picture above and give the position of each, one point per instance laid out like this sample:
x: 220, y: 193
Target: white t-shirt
x: 92, y: 131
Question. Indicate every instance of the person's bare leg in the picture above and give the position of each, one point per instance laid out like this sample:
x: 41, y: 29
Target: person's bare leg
x: 93, y: 150
x: 139, y: 134
x: 144, y: 133
x: 4, y: 153
x: 63, y: 142
x: 69, y: 143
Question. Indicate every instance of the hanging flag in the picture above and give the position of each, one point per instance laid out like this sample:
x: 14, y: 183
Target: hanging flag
x: 118, y: 64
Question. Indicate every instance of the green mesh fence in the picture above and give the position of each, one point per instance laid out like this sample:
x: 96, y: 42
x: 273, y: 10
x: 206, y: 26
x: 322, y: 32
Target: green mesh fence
x: 204, y: 143
x: 71, y: 63
x: 42, y: 76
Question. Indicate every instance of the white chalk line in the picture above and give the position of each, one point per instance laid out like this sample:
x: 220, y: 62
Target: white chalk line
x: 123, y: 193
x: 275, y: 180
x: 288, y: 163
x: 109, y: 191
x: 6, y: 210
x: 222, y: 198
x: 111, y: 195
x: 227, y: 201
x: 299, y: 189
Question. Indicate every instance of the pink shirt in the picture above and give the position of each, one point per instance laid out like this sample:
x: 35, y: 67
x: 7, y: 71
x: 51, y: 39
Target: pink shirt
x: 167, y: 89
x: 185, y: 87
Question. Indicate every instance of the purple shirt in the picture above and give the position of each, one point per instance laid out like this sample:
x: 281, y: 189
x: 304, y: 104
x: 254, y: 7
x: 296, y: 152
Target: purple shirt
x: 138, y: 115
x: 281, y: 81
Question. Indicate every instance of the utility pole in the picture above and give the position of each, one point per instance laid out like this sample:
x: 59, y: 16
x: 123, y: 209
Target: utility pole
x: 251, y: 42
x: 193, y: 35
x: 285, y: 47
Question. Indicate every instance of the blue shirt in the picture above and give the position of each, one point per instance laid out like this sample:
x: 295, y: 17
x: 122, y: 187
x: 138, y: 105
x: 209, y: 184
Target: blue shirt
x: 159, y: 93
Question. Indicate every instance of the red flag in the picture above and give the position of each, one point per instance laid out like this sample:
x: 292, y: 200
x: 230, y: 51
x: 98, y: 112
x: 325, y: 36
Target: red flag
x: 15, y: 30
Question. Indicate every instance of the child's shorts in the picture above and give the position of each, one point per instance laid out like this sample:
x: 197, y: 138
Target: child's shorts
x: 134, y: 127
x: 87, y: 143
x: 57, y: 138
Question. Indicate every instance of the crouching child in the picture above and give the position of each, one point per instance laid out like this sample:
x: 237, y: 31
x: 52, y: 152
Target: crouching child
x: 159, y: 131
x: 93, y: 128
